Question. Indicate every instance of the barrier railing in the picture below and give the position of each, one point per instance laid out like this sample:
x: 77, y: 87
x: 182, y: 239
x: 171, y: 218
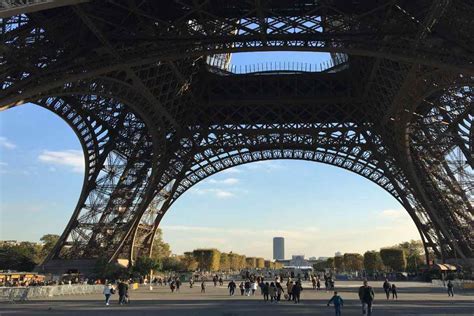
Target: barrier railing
x: 458, y: 284
x: 12, y: 294
x: 279, y: 66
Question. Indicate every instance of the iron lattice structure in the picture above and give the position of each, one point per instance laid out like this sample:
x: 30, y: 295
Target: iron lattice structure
x: 147, y: 88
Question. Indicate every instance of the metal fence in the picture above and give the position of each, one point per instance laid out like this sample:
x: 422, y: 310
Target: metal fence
x: 12, y: 294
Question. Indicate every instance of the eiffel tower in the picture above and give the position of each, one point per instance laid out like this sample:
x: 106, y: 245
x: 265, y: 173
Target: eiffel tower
x: 148, y: 89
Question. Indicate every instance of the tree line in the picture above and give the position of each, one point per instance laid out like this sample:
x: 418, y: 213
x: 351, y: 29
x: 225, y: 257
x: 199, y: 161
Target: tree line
x: 406, y: 256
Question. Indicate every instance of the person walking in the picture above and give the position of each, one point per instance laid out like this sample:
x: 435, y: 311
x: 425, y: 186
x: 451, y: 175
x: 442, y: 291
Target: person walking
x: 280, y: 290
x: 394, y: 291
x: 297, y: 289
x: 108, y: 291
x: 265, y: 291
x: 272, y: 292
x: 366, y: 296
x: 289, y: 289
x: 123, y: 292
x: 387, y: 288
x: 313, y: 281
x: 338, y: 303
x: 231, y: 286
x: 203, y: 287
x: 318, y: 285
x: 247, y: 288
x: 450, y: 287
x: 178, y: 284
x: 242, y: 288
x: 254, y: 287
x: 191, y: 283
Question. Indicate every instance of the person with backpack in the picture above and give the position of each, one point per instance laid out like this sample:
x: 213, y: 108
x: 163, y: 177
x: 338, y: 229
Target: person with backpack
x: 108, y: 291
x: 338, y: 303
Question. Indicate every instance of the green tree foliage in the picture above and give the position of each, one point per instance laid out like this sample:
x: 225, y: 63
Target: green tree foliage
x: 373, y: 262
x: 339, y: 263
x: 330, y: 263
x: 48, y: 240
x: 414, y: 252
x: 260, y: 263
x: 353, y: 262
x: 105, y: 270
x: 208, y: 259
x: 173, y: 263
x: 160, y: 249
x: 144, y: 265
x: 13, y: 259
x: 189, y: 262
x: 394, y: 258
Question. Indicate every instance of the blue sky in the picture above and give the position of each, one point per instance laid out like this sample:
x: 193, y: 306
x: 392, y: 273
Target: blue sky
x: 319, y: 209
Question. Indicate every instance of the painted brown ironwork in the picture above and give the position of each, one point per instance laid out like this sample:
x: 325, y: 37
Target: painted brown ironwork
x: 149, y: 91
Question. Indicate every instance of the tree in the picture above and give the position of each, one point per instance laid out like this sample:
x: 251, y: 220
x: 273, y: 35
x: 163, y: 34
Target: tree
x: 173, y: 264
x: 13, y: 259
x: 260, y: 263
x: 189, y: 262
x: 208, y: 259
x: 353, y: 262
x: 250, y: 262
x: 144, y: 265
x: 160, y: 249
x: 105, y: 270
x: 394, y: 258
x: 224, y: 262
x: 414, y: 251
x: 339, y: 263
x: 48, y: 240
x: 373, y: 262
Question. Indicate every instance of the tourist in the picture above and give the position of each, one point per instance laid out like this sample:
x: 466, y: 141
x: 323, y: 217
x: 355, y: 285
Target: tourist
x: 242, y: 288
x: 450, y: 288
x: 247, y: 288
x: 326, y: 283
x: 386, y: 288
x: 123, y: 292
x: 254, y: 287
x: 272, y: 292
x: 214, y: 279
x: 313, y: 280
x: 296, y: 291
x: 366, y: 296
x: 221, y: 281
x: 289, y: 290
x: 203, y: 287
x: 191, y: 283
x: 265, y: 291
x: 108, y: 291
x: 394, y: 291
x: 231, y: 287
x: 338, y: 303
x: 280, y: 290
x: 172, y: 286
x: 178, y: 284
x: 318, y: 285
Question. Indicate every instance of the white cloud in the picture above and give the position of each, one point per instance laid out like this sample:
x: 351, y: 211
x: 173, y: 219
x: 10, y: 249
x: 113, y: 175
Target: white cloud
x: 219, y: 193
x: 232, y: 170
x: 68, y: 158
x: 228, y: 181
x: 5, y: 143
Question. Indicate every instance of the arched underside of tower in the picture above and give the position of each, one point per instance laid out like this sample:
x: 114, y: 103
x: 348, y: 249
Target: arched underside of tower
x: 154, y: 117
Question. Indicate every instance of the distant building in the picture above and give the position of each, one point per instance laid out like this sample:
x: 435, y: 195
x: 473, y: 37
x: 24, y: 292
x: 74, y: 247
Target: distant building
x: 278, y: 248
x: 323, y: 258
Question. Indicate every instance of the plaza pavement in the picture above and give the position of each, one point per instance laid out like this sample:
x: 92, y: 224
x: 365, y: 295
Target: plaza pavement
x: 413, y: 299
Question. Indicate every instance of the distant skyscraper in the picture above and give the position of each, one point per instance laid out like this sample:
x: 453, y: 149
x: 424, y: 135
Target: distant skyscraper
x: 278, y: 248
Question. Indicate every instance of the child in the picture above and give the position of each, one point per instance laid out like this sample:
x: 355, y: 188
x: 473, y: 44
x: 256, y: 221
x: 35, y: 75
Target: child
x: 338, y: 303
x: 394, y: 292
